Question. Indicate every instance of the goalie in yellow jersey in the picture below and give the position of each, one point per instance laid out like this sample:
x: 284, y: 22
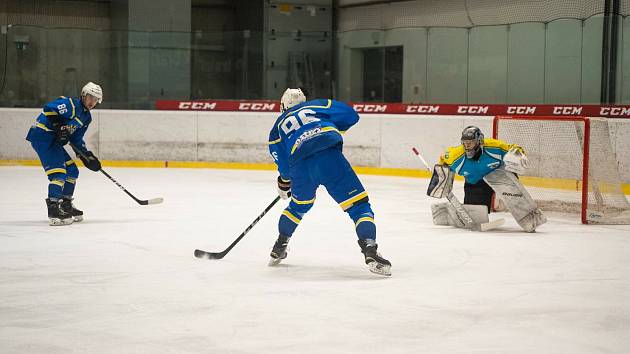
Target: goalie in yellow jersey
x: 488, y: 166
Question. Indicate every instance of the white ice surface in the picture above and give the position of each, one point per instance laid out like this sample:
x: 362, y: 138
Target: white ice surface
x: 125, y: 280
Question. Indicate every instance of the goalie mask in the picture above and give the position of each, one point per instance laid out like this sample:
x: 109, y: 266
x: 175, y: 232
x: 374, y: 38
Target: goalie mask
x: 291, y: 97
x: 472, y: 140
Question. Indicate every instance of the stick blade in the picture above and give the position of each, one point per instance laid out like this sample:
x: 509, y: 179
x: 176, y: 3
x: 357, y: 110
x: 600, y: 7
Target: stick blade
x: 155, y: 201
x: 492, y: 224
x: 208, y: 255
x: 150, y: 201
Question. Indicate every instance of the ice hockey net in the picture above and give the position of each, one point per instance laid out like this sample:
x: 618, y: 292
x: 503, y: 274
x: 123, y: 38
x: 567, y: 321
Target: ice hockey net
x: 572, y: 165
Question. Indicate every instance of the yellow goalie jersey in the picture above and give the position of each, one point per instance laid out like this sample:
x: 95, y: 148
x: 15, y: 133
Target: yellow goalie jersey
x: 473, y: 170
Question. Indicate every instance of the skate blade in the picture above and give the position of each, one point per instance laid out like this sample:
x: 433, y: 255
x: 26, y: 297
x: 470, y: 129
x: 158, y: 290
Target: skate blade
x: 60, y: 222
x: 380, y: 269
x: 274, y: 261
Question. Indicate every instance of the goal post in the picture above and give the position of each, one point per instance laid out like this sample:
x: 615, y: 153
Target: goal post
x: 573, y: 166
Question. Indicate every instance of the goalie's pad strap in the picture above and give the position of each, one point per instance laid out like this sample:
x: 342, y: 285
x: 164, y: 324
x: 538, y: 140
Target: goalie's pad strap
x: 441, y: 182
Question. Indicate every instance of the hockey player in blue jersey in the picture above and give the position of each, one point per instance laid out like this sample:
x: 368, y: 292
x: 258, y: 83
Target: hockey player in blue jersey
x: 62, y: 121
x: 306, y: 144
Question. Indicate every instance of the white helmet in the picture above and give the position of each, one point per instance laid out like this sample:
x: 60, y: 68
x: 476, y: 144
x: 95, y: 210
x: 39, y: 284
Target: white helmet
x: 92, y: 89
x: 291, y: 97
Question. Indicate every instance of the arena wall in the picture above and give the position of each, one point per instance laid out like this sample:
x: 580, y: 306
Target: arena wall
x: 379, y: 140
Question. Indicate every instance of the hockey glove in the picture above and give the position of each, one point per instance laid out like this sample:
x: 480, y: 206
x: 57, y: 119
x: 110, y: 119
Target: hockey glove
x: 63, y: 133
x: 90, y: 161
x: 284, y: 188
x: 515, y: 161
x: 441, y: 182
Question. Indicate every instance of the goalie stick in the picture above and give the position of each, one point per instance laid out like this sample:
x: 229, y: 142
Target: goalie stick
x: 139, y: 201
x: 462, y: 214
x: 218, y: 255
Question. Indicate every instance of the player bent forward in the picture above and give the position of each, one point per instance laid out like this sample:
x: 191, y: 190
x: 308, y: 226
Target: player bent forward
x: 488, y: 166
x: 306, y: 144
x: 64, y: 120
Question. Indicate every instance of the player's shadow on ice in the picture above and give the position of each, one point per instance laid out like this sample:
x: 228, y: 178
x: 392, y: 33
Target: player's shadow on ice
x: 323, y: 273
x: 25, y: 223
x: 514, y: 232
x: 29, y: 223
x: 501, y: 232
x: 115, y: 221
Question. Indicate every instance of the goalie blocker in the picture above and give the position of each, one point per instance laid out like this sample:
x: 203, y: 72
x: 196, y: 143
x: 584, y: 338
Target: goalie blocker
x: 506, y: 186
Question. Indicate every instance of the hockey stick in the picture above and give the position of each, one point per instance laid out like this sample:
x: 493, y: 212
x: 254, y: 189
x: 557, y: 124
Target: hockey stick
x: 461, y: 212
x: 465, y: 218
x: 219, y: 255
x: 139, y: 201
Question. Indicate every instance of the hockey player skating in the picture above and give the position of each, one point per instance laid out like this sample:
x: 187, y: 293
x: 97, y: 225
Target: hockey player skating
x: 488, y: 166
x: 64, y: 120
x: 306, y: 144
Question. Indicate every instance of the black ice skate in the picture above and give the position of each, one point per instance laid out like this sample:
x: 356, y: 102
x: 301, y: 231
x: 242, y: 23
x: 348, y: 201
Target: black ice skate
x: 68, y: 207
x: 375, y: 262
x: 279, y: 250
x: 56, y: 215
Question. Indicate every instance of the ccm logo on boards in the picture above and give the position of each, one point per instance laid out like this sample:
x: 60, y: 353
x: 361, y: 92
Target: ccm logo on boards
x: 422, y: 109
x: 567, y: 110
x: 256, y: 106
x: 472, y: 109
x: 370, y: 107
x: 197, y: 105
x: 521, y: 110
x: 614, y: 111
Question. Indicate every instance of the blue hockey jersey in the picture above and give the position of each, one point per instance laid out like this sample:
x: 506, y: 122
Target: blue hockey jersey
x: 307, y: 128
x: 67, y: 111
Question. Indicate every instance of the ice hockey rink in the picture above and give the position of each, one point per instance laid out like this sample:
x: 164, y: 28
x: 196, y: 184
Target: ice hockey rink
x: 125, y: 280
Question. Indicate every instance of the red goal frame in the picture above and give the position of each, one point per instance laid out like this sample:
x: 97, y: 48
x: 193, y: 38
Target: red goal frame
x: 585, y: 152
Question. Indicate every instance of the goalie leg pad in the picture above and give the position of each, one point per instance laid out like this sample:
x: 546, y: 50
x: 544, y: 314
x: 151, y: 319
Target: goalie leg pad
x: 456, y: 220
x: 445, y: 214
x: 516, y: 199
x: 532, y: 220
x: 440, y: 214
x: 479, y: 213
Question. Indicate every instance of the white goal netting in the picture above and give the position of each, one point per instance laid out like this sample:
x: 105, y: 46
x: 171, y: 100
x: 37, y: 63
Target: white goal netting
x: 573, y: 167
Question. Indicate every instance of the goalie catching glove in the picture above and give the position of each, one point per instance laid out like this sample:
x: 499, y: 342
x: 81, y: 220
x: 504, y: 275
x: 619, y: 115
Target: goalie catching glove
x: 515, y: 161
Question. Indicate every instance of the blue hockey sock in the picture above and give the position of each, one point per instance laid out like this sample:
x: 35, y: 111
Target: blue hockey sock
x: 288, y: 222
x: 365, y: 227
x: 72, y: 173
x: 68, y: 187
x: 55, y: 188
x: 363, y: 218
